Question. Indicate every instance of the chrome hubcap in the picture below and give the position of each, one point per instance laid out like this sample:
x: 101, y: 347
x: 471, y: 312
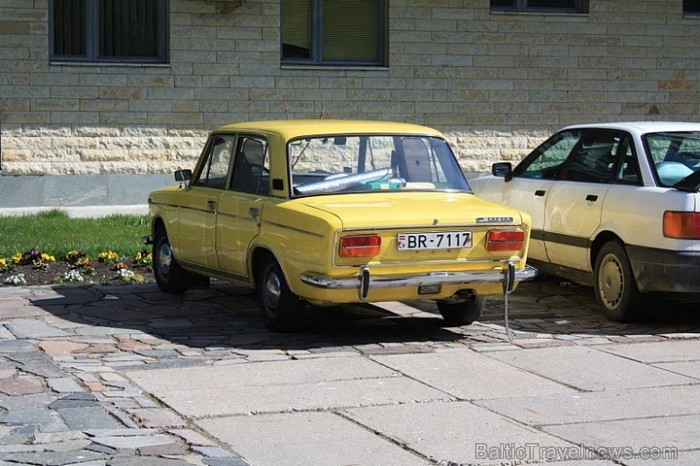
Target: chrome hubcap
x: 165, y: 257
x: 273, y: 290
x: 611, y: 282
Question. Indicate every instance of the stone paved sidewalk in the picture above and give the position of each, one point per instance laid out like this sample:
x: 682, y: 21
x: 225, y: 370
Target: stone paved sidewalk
x: 64, y: 353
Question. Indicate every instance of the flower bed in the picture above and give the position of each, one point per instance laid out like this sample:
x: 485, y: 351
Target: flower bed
x: 34, y: 267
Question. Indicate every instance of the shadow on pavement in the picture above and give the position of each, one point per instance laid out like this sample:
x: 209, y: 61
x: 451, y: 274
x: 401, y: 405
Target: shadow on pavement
x: 227, y: 317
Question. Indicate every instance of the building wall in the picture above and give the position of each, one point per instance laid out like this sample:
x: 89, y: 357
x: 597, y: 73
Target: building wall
x: 495, y: 83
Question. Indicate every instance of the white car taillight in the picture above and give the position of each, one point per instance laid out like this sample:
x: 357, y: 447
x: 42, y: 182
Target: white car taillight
x: 681, y: 225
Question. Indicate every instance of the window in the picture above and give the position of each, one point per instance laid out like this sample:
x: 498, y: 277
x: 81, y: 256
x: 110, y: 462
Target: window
x: 213, y: 173
x: 691, y: 6
x: 546, y: 161
x: 330, y: 32
x: 251, y: 170
x: 108, y: 30
x: 541, y: 6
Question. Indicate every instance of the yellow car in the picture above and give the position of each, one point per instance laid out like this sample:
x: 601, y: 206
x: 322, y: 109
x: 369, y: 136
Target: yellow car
x: 328, y: 212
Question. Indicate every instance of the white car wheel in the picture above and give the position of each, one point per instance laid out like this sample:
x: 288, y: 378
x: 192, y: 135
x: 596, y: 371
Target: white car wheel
x: 615, y: 288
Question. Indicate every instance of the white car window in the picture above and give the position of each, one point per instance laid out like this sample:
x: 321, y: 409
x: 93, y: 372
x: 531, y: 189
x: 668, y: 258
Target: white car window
x: 595, y: 157
x: 546, y: 161
x: 674, y: 155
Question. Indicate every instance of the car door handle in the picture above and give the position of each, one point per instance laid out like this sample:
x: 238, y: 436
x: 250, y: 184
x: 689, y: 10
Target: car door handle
x: 591, y: 198
x: 254, y: 212
x: 211, y: 205
x: 540, y: 192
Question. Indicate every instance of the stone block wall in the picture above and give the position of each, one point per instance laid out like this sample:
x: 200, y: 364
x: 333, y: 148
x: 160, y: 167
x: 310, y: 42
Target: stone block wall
x: 495, y: 83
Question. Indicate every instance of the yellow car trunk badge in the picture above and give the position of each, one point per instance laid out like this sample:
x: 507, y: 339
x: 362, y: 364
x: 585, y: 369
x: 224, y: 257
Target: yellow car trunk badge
x: 494, y: 220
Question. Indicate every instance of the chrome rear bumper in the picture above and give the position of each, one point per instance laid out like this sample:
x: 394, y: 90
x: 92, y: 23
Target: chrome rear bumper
x: 366, y: 281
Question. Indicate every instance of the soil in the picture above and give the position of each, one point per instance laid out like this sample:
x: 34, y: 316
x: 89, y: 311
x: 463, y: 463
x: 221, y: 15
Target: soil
x: 55, y: 273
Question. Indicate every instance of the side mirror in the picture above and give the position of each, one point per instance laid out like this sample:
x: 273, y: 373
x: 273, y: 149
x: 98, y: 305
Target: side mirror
x: 502, y: 170
x: 183, y: 176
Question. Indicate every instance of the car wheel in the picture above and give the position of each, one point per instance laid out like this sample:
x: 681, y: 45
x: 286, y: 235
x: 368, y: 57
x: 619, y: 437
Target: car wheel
x: 170, y: 277
x: 281, y: 309
x: 463, y: 313
x: 615, y: 289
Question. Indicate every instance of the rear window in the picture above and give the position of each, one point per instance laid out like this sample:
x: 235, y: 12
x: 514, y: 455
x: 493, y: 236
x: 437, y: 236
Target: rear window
x: 372, y: 163
x: 674, y: 155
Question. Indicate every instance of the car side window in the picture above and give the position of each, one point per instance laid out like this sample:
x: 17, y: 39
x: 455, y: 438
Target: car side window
x: 214, y: 168
x: 251, y: 169
x: 628, y: 170
x: 546, y: 161
x: 594, y: 158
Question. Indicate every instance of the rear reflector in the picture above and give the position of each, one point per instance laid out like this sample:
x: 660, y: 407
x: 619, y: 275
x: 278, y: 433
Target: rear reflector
x: 360, y: 246
x: 505, y: 240
x: 681, y: 225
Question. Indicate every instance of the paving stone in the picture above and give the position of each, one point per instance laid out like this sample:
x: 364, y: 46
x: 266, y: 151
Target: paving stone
x: 162, y: 418
x: 22, y: 385
x: 87, y: 418
x: 61, y: 348
x: 23, y: 417
x: 228, y: 461
x: 212, y: 452
x: 147, y: 461
x: 33, y: 329
x: 64, y: 385
x: 193, y: 438
x: 134, y: 442
x: 55, y: 458
x: 171, y: 449
x: 16, y: 346
x: 55, y: 437
x: 75, y: 400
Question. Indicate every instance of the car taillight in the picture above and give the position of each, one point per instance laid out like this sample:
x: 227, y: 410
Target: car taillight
x: 681, y: 225
x: 360, y: 246
x: 505, y: 240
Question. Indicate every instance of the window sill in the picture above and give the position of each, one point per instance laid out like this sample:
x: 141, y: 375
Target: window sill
x: 109, y: 64
x: 564, y: 14
x: 288, y: 66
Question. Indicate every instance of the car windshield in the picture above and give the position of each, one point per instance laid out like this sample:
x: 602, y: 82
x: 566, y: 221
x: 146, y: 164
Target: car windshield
x: 331, y: 164
x: 675, y: 155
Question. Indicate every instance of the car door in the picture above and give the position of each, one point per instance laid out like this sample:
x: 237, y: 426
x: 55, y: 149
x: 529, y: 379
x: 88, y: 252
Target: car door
x: 198, y: 206
x: 532, y: 182
x: 574, y: 206
x: 240, y: 207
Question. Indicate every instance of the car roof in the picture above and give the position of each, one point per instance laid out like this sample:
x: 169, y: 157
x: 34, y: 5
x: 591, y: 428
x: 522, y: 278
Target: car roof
x: 290, y: 129
x: 641, y: 127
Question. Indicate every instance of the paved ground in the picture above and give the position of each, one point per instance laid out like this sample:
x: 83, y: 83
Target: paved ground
x: 126, y: 375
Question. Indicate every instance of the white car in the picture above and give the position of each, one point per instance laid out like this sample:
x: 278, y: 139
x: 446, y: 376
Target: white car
x: 614, y: 206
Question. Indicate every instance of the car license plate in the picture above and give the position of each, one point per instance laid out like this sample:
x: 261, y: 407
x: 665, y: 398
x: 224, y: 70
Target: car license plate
x: 441, y: 240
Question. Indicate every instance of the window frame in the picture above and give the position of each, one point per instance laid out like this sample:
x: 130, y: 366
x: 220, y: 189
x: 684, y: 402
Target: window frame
x: 92, y: 20
x: 521, y: 6
x: 316, y: 39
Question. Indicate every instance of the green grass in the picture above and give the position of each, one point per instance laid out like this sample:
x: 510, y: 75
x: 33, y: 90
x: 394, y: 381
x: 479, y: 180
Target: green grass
x: 55, y: 233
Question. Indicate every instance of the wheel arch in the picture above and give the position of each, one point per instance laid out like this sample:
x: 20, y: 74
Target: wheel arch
x: 156, y: 224
x: 257, y: 256
x: 598, y: 243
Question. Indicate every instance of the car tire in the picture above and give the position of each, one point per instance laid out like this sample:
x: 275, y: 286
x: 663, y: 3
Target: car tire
x: 464, y: 313
x: 281, y: 309
x: 615, y: 289
x: 170, y: 277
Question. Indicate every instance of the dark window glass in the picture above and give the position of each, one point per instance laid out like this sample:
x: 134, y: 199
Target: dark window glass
x: 333, y: 32
x: 128, y: 28
x: 69, y: 28
x: 541, y: 5
x: 691, y: 6
x: 503, y: 3
x: 109, y: 30
x: 554, y: 4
